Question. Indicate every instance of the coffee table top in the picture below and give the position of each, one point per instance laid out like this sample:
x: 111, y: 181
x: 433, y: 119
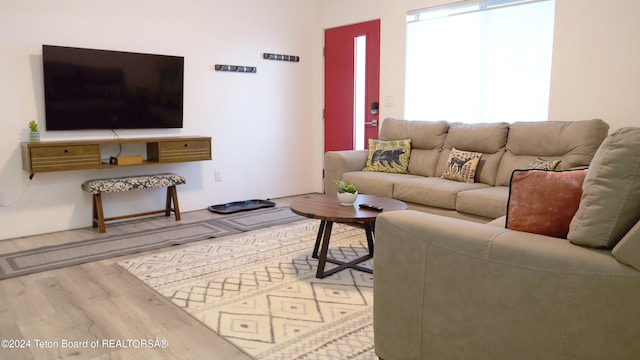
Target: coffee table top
x: 327, y: 207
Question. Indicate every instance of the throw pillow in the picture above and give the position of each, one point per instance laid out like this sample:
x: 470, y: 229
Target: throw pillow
x: 544, y: 202
x: 462, y: 166
x: 609, y: 205
x: 388, y: 156
x: 542, y: 164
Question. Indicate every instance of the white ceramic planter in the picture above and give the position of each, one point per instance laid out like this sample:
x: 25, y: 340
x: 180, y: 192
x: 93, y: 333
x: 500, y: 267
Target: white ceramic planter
x: 347, y: 199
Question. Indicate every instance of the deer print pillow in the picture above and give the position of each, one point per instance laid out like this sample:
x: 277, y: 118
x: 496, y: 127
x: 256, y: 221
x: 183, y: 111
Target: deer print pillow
x: 388, y: 156
x: 462, y: 166
x: 542, y: 164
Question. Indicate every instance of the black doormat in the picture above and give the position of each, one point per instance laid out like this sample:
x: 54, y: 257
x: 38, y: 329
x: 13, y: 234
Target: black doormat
x: 237, y: 206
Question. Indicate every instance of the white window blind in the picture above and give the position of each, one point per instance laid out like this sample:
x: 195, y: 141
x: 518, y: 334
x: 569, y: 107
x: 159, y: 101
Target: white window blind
x: 487, y: 61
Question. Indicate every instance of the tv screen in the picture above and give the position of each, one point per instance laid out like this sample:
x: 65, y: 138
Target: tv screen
x: 101, y: 89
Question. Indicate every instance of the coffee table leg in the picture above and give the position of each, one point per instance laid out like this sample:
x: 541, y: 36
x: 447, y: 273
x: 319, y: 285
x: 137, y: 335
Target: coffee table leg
x: 325, y: 248
x: 323, y: 224
x: 368, y: 228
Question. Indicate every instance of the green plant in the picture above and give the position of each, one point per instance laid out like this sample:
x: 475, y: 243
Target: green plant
x: 33, y: 126
x: 346, y: 188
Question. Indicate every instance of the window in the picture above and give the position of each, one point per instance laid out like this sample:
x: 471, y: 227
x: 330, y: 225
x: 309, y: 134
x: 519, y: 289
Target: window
x: 485, y: 61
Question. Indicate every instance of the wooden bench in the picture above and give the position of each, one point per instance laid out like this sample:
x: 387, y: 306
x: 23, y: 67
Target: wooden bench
x: 99, y: 186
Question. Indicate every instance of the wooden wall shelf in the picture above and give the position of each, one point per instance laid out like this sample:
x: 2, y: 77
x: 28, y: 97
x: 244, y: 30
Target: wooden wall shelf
x: 46, y: 156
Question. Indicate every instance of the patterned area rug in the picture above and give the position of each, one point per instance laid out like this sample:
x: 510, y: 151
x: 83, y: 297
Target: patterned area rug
x: 258, y: 290
x: 108, y: 246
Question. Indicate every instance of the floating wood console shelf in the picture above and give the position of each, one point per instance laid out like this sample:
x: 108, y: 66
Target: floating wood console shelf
x: 46, y: 156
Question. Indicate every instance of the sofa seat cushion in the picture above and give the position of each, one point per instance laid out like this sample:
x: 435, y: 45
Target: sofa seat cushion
x: 489, y: 202
x: 436, y: 192
x: 499, y: 222
x: 375, y: 183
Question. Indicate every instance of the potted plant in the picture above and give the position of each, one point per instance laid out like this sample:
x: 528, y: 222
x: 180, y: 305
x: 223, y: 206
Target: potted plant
x: 347, y: 193
x: 34, y: 132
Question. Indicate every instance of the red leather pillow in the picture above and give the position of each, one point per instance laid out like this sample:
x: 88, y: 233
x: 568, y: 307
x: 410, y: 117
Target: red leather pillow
x: 544, y: 202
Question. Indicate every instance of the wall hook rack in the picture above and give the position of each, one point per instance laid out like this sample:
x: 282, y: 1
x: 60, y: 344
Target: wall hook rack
x: 236, y: 68
x: 291, y: 58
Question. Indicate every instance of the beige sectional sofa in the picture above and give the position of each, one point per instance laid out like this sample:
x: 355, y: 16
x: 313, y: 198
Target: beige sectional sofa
x: 504, y: 147
x: 445, y: 288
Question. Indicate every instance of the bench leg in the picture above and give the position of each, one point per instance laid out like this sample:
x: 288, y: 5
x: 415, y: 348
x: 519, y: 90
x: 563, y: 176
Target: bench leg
x: 94, y: 207
x: 98, y: 214
x: 172, y: 196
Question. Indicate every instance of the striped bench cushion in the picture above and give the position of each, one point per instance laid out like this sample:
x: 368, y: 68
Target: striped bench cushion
x: 127, y: 183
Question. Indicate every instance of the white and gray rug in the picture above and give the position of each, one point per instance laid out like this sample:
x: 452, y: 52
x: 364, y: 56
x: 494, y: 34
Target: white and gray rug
x: 258, y: 290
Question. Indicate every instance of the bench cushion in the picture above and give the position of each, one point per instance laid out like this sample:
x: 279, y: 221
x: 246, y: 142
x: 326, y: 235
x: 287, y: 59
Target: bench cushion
x: 127, y: 183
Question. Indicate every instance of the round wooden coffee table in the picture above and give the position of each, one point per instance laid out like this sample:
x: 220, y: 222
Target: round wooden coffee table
x: 328, y: 210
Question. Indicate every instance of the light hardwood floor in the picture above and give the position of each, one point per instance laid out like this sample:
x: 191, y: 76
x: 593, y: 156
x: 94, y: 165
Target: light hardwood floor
x: 100, y: 302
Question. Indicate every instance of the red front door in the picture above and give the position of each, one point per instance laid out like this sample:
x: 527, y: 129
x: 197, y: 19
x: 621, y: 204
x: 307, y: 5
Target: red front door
x: 351, y: 85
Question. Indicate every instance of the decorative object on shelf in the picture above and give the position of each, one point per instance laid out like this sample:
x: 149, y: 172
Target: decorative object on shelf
x: 347, y: 193
x: 129, y: 160
x: 236, y: 68
x: 291, y: 58
x: 34, y: 132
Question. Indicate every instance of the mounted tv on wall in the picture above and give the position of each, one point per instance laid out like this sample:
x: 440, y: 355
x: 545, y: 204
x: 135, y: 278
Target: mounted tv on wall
x: 102, y: 89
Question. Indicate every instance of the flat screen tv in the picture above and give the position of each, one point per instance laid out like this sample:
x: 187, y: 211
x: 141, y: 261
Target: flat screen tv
x: 102, y: 89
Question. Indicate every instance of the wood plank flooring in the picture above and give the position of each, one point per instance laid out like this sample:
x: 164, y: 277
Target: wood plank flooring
x: 61, y: 313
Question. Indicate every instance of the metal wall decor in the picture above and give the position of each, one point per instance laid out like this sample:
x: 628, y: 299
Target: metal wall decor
x: 291, y: 58
x: 236, y: 68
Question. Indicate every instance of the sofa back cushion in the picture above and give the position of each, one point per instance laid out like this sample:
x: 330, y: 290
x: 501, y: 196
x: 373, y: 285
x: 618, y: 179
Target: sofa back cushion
x: 488, y: 139
x: 572, y: 142
x: 610, y: 204
x: 427, y: 140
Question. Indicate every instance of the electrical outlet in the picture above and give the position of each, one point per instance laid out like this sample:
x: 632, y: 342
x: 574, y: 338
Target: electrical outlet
x: 218, y: 176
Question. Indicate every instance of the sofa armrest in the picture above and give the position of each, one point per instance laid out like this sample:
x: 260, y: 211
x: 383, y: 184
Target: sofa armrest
x: 338, y: 162
x: 628, y: 248
x: 449, y: 288
x: 400, y: 276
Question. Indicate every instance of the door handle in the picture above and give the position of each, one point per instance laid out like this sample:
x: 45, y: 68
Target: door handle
x: 372, y: 123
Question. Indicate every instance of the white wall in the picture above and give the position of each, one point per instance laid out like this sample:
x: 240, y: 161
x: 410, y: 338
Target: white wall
x: 596, y: 60
x: 267, y: 127
x: 263, y: 132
